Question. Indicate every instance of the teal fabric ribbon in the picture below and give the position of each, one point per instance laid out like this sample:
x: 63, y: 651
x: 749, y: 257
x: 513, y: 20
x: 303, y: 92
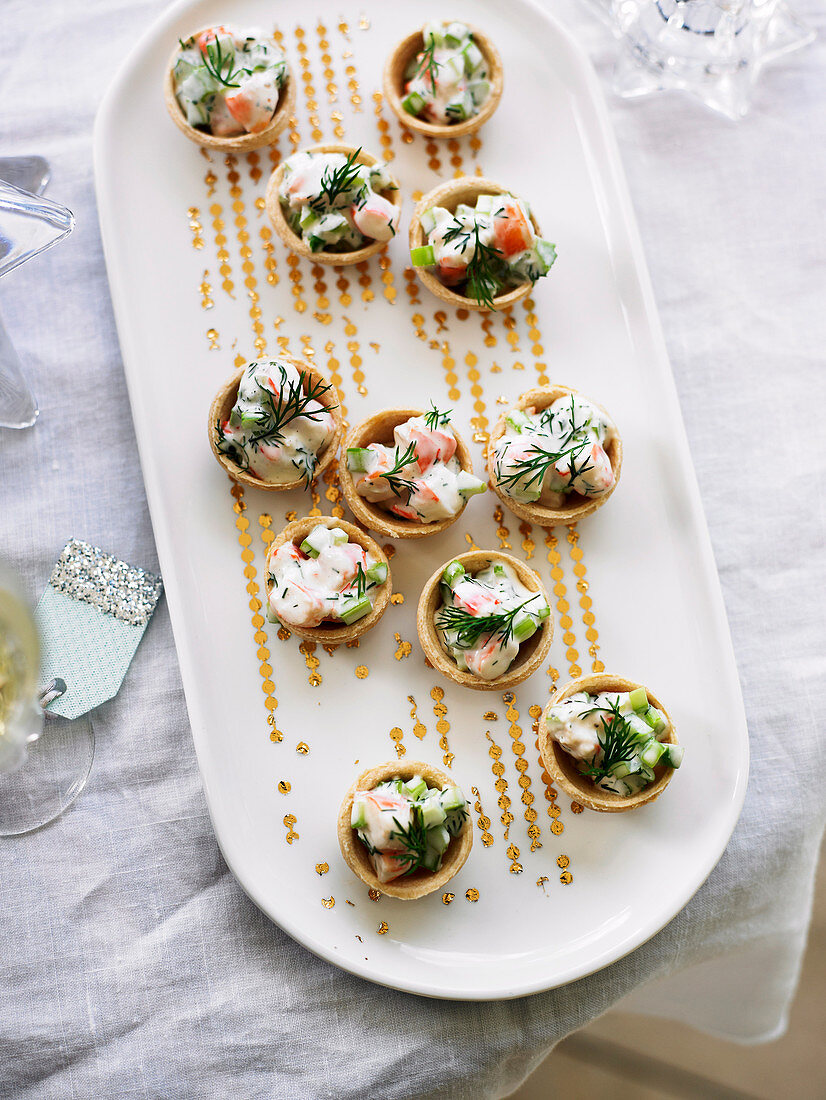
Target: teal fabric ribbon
x: 91, y: 619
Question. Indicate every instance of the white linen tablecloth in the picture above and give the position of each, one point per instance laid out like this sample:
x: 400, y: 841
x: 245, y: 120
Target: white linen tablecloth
x: 133, y: 964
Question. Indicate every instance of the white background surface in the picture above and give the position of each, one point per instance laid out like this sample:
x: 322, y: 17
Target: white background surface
x: 144, y: 970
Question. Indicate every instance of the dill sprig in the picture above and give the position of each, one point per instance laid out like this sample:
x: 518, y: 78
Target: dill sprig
x: 361, y: 581
x: 219, y: 64
x: 292, y: 401
x: 484, y: 265
x: 414, y: 839
x: 618, y: 741
x: 435, y: 418
x: 469, y: 628
x: 539, y: 461
x: 336, y: 181
x: 401, y: 486
x: 428, y: 66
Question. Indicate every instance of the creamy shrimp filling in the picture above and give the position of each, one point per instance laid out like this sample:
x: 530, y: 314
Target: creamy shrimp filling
x: 485, y: 617
x: 228, y: 81
x: 326, y: 578
x: 447, y: 82
x: 616, y: 736
x: 483, y: 250
x: 407, y: 826
x: 420, y: 478
x: 278, y: 426
x: 336, y: 204
x: 545, y: 456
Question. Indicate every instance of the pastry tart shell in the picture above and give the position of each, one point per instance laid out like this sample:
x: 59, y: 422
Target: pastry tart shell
x: 296, y: 243
x: 226, y: 397
x: 420, y: 883
x: 465, y: 189
x: 531, y: 653
x: 576, y: 507
x: 394, y: 79
x: 240, y: 143
x: 334, y: 633
x: 562, y: 767
x: 379, y: 428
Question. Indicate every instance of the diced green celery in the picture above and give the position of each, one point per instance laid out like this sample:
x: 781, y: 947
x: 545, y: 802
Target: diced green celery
x: 652, y: 752
x: 433, y: 813
x: 425, y: 256
x: 673, y: 755
x: 541, y: 612
x: 355, y: 609
x: 654, y: 719
x: 453, y: 799
x: 453, y: 572
x: 357, y: 459
x: 358, y: 814
x: 638, y: 698
x: 416, y: 787
x: 438, y: 838
x: 413, y: 103
x: 377, y: 572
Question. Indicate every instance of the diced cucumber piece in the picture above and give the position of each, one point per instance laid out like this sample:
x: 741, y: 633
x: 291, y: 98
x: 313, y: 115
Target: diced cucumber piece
x: 459, y: 657
x: 433, y: 813
x: 309, y: 549
x: 358, y: 814
x: 652, y: 752
x: 638, y: 726
x: 624, y: 768
x: 357, y: 459
x: 413, y: 103
x: 336, y: 535
x: 654, y: 719
x: 435, y: 31
x: 432, y: 859
x: 479, y: 91
x: 455, y: 820
x: 468, y: 485
x: 438, y: 838
x: 377, y: 572
x: 453, y: 799
x: 452, y: 68
x: 271, y: 615
x: 541, y: 612
x: 428, y: 220
x: 638, y: 698
x: 455, y: 34
x: 353, y: 610
x: 499, y: 569
x: 473, y: 57
x: 518, y: 420
x: 464, y: 212
x: 546, y: 252
x: 486, y: 203
x: 316, y: 243
x: 425, y: 256
x: 453, y: 572
x: 308, y: 217
x: 415, y: 787
x: 183, y: 67
x: 673, y: 755
x: 460, y: 107
x: 524, y: 627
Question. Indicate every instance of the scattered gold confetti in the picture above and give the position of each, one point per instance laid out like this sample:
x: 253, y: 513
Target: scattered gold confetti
x: 383, y: 928
x: 322, y: 868
x: 348, y: 902
x: 302, y: 748
x: 397, y: 598
x: 447, y: 898
x: 472, y: 894
x: 284, y: 786
x: 562, y: 861
x: 212, y: 336
x: 289, y: 821
x: 373, y: 894
x: 542, y: 880
x: 328, y: 903
x: 566, y: 878
x: 491, y: 716
x: 362, y: 672
x: 576, y: 808
x: 404, y: 648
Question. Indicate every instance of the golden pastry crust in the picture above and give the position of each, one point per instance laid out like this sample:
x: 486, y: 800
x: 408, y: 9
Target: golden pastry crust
x: 576, y: 507
x: 562, y: 767
x: 241, y: 143
x: 531, y: 653
x: 355, y: 854
x: 450, y: 194
x: 394, y: 80
x: 379, y: 428
x: 334, y: 634
x: 294, y: 242
x: 226, y: 397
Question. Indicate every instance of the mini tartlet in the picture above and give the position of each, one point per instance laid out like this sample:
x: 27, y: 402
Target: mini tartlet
x: 222, y: 405
x: 394, y: 78
x: 379, y: 428
x: 531, y: 652
x: 465, y: 189
x: 562, y: 767
x: 421, y: 882
x: 576, y: 507
x: 241, y: 143
x: 294, y: 242
x: 334, y: 633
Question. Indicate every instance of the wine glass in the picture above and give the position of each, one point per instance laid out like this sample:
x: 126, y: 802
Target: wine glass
x: 44, y: 760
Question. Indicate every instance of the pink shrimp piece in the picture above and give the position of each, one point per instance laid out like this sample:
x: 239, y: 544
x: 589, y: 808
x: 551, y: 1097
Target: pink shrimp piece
x: 376, y: 217
x: 388, y: 865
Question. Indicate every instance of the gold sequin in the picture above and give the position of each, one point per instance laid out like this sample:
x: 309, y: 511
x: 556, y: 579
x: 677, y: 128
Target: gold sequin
x: 396, y: 736
x: 403, y: 649
x: 515, y: 733
x: 383, y: 928
x: 419, y: 729
x: 290, y: 820
x: 490, y: 716
x: 535, y: 336
x: 588, y: 620
x: 322, y: 868
x: 284, y: 786
x: 472, y: 894
x: 442, y: 725
x: 328, y: 903
x: 562, y: 861
x: 576, y: 808
x: 562, y: 605
x: 213, y: 337
x: 449, y: 364
x: 483, y: 822
x: 373, y: 894
x: 302, y: 748
x: 397, y: 598
x: 447, y: 898
x: 566, y: 878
